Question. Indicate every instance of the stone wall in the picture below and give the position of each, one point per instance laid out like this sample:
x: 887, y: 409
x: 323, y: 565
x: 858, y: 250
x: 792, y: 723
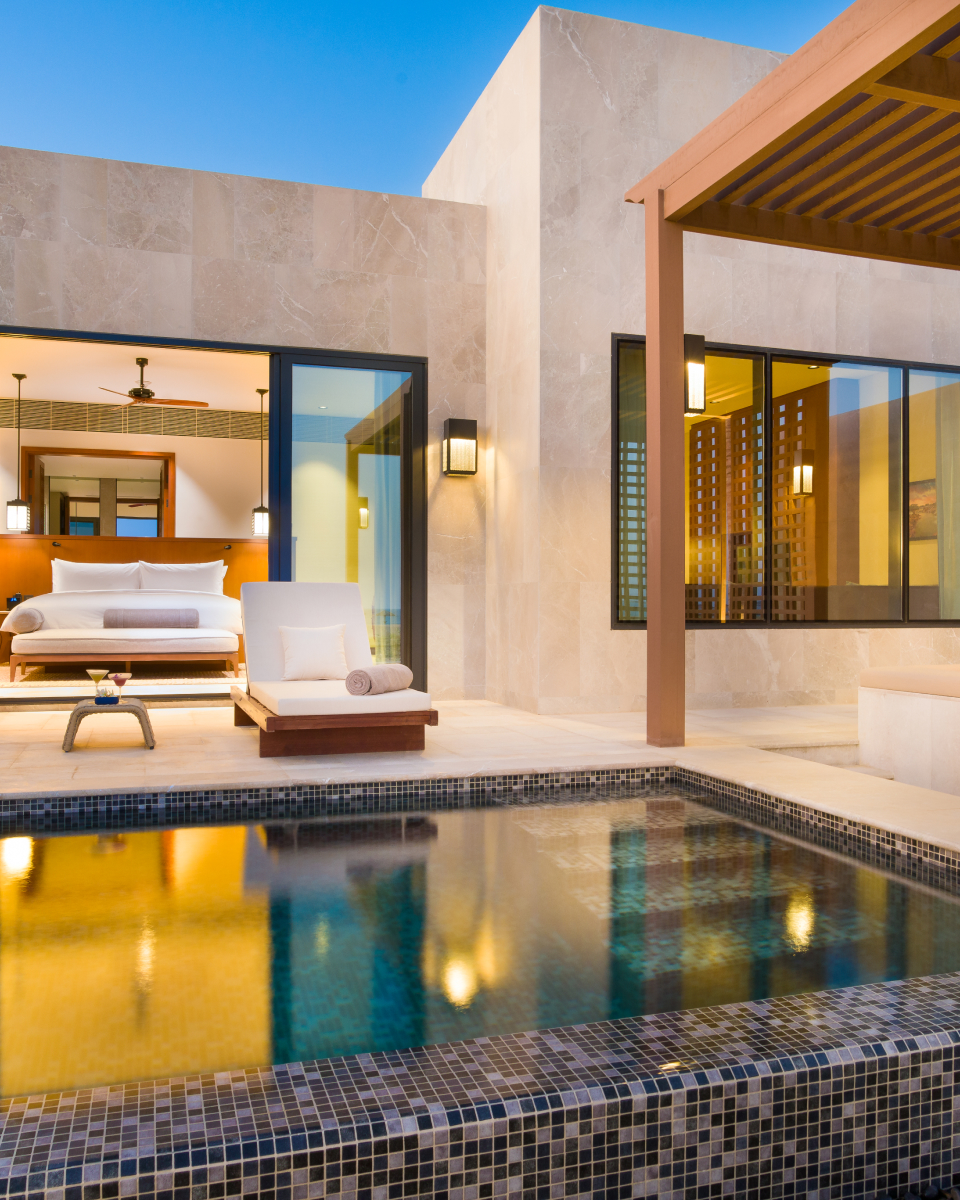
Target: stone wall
x: 603, y: 102
x: 112, y: 247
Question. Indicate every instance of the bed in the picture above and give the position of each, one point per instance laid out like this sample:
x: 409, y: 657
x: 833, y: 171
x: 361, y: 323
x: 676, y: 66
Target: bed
x: 72, y: 628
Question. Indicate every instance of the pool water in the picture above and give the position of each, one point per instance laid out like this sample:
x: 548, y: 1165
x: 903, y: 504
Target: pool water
x: 143, y: 954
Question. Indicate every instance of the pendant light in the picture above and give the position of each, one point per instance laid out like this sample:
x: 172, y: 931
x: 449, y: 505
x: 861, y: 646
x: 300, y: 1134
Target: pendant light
x: 261, y: 515
x: 18, y: 511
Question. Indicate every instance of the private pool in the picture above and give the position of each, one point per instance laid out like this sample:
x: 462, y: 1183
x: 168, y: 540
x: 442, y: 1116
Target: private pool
x: 141, y: 954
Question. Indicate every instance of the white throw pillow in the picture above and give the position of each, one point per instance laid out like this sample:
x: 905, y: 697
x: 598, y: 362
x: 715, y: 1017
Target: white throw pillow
x: 95, y: 577
x: 313, y: 653
x: 183, y: 577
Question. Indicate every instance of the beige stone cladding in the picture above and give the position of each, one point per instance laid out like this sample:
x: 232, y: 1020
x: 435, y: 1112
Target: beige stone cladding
x: 581, y: 108
x: 125, y: 248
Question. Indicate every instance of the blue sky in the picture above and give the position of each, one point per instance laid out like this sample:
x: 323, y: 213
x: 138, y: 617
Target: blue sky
x: 353, y: 95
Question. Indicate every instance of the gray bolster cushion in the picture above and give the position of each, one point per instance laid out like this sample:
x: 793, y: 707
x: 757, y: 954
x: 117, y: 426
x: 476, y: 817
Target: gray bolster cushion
x: 151, y: 618
x: 383, y: 677
x: 25, y: 620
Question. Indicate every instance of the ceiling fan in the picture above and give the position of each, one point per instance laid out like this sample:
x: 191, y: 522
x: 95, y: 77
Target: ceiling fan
x: 143, y: 395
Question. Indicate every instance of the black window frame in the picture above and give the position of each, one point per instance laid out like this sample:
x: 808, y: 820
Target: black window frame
x: 769, y: 354
x: 413, y: 476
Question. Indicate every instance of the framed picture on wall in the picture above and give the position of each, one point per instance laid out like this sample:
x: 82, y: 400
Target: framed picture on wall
x: 922, y: 512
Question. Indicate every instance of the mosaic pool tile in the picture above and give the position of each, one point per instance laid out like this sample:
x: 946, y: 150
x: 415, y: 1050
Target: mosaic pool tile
x: 838, y: 1093
x: 852, y: 1092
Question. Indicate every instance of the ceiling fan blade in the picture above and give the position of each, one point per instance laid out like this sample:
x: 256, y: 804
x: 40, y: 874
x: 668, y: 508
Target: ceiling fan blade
x: 184, y: 403
x: 113, y: 393
x: 180, y: 403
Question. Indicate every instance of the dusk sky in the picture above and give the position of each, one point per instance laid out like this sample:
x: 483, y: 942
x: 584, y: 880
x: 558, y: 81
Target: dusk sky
x: 352, y: 95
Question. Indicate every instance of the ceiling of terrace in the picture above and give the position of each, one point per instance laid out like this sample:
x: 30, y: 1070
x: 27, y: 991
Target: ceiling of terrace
x: 852, y: 145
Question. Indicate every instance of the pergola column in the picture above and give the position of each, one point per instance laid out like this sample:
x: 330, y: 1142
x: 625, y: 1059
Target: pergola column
x: 664, y: 477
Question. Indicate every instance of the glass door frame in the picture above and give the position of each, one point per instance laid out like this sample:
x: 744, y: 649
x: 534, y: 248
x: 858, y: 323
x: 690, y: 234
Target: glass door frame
x: 413, y: 485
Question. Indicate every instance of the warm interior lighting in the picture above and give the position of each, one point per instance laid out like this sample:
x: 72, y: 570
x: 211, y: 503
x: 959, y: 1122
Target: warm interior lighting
x: 364, y: 507
x: 16, y: 856
x: 458, y: 452
x: 18, y: 516
x: 799, y: 920
x: 803, y: 473
x: 261, y: 515
x: 18, y: 511
x: 694, y: 357
x: 459, y: 982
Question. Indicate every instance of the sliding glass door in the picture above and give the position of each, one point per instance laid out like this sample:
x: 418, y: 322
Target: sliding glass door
x: 351, y: 489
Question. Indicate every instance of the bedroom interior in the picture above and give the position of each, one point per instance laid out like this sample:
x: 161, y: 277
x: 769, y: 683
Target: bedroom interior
x: 170, y: 476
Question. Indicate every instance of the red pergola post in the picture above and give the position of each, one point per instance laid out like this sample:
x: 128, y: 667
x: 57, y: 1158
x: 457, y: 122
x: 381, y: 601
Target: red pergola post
x: 666, y: 615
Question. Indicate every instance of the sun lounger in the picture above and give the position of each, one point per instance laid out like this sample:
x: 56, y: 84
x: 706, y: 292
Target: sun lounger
x: 306, y: 716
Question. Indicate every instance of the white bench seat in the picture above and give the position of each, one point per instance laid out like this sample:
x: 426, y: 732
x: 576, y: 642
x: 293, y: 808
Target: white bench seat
x: 909, y: 724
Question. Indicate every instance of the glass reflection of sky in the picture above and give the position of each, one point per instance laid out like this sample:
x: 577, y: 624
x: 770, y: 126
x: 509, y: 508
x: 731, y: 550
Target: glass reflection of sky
x: 143, y: 954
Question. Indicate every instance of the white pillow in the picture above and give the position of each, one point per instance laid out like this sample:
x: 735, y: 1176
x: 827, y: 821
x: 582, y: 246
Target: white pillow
x: 95, y: 577
x: 183, y: 577
x: 313, y: 653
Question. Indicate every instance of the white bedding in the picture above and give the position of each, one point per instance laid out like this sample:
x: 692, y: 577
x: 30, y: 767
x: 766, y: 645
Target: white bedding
x: 84, y: 610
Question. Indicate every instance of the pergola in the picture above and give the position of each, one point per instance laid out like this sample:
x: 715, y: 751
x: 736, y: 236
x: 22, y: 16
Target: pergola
x: 852, y: 146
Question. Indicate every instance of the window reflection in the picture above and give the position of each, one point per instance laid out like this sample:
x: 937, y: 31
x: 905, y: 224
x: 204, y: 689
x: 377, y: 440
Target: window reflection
x: 933, y: 501
x: 724, y: 473
x: 836, y: 500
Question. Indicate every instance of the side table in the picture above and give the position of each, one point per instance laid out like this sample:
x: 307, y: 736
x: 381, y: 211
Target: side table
x: 88, y: 708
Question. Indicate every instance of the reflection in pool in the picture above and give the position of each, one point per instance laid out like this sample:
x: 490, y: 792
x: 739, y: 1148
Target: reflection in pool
x: 143, y: 954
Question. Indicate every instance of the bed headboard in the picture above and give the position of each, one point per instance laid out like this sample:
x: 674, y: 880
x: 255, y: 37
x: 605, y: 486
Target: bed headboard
x: 25, y: 558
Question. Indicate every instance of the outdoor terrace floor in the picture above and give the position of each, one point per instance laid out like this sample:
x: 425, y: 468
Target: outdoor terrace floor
x: 199, y: 748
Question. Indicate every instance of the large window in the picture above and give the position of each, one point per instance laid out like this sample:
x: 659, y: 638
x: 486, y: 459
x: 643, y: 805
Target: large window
x: 795, y: 503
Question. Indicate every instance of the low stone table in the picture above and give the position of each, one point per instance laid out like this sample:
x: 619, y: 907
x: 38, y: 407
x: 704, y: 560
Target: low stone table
x: 87, y: 708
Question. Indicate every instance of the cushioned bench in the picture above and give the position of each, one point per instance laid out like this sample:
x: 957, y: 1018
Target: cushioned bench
x: 909, y: 722
x: 85, y: 646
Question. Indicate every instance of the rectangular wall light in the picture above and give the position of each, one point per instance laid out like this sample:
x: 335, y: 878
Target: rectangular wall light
x: 803, y: 473
x: 694, y: 364
x: 458, y: 453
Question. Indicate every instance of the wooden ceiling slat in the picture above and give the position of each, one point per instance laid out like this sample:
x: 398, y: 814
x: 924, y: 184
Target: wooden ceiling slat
x: 931, y: 216
x: 901, y: 208
x: 949, y: 49
x: 859, y: 154
x: 859, y: 108
x: 866, y: 189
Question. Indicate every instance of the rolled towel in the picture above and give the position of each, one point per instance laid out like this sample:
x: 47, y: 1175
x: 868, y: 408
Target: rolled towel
x: 151, y: 618
x: 383, y: 677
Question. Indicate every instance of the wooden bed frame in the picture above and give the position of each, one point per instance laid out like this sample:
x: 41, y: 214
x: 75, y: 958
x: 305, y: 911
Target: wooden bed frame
x: 86, y: 659
x: 338, y: 733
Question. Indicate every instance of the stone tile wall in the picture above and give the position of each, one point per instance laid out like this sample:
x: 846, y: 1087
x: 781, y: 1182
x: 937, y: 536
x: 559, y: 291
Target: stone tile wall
x: 605, y: 101
x: 127, y: 248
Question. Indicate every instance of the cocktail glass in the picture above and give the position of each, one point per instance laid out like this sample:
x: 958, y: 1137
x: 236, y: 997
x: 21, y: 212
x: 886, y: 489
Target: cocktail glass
x: 120, y: 678
x: 96, y: 674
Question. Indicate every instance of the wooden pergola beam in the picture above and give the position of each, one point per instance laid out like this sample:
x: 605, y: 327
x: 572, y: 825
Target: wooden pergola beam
x: 813, y: 233
x: 866, y: 42
x: 922, y: 79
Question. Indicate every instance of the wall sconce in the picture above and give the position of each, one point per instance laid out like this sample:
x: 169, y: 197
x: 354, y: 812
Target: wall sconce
x: 18, y: 511
x: 694, y: 360
x: 261, y: 514
x: 458, y: 454
x: 694, y: 388
x: 364, y: 504
x: 803, y: 473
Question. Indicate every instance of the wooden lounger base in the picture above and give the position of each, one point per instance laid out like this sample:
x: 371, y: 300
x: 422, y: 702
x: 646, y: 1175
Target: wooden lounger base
x: 90, y: 660
x: 340, y: 733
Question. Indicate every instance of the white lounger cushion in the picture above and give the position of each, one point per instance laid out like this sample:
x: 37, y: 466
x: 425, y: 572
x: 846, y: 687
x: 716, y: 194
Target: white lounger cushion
x: 126, y: 641
x: 324, y: 697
